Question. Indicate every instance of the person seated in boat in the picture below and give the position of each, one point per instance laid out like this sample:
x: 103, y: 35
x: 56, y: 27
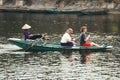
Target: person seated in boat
x: 85, y: 40
x: 28, y: 35
x: 66, y: 39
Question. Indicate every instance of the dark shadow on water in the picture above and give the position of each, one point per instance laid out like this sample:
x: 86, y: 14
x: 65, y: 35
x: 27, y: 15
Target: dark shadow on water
x: 85, y: 57
x: 67, y: 55
x: 78, y: 57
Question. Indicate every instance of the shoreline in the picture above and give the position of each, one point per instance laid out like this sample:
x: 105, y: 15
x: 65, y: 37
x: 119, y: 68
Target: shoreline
x: 49, y: 10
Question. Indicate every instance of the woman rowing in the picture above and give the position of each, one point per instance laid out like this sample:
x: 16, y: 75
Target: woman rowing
x: 66, y: 39
x: 85, y: 40
x: 28, y: 35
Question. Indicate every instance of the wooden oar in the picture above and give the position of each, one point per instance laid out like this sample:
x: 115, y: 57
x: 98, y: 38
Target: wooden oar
x: 45, y: 42
x: 33, y: 44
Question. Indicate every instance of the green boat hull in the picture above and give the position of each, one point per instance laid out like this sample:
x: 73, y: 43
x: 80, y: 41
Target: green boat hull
x: 56, y: 11
x: 49, y: 11
x: 47, y: 46
x: 94, y: 11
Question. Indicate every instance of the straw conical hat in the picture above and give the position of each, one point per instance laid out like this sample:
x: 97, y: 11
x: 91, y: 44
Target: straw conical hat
x: 26, y: 26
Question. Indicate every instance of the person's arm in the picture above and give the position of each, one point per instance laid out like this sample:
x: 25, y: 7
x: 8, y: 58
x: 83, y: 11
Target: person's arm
x: 87, y: 38
x: 45, y: 37
x: 28, y: 35
x: 70, y: 41
x: 76, y: 39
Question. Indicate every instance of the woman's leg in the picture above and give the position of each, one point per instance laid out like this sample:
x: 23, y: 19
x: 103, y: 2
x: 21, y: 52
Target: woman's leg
x: 94, y: 44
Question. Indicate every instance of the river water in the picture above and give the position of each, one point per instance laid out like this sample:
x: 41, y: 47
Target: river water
x: 16, y: 64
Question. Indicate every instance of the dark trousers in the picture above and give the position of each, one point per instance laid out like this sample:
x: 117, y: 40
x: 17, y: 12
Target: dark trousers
x: 35, y: 36
x: 69, y: 44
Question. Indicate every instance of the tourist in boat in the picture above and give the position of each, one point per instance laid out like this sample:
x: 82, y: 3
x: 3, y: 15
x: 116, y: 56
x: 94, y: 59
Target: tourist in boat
x: 28, y: 35
x: 85, y: 40
x: 66, y: 39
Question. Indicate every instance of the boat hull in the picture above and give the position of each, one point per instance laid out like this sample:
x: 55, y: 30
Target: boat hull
x: 55, y: 11
x: 46, y: 46
x: 49, y: 11
x: 94, y: 11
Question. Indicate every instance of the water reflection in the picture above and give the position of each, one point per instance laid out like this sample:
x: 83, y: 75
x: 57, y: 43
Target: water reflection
x: 82, y: 57
x: 85, y: 57
x: 12, y: 23
x: 68, y: 56
x: 54, y: 65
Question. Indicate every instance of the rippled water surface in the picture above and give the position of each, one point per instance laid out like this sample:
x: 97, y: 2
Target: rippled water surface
x: 16, y: 64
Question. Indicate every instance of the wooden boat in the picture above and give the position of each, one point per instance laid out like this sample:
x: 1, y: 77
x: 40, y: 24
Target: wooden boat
x: 49, y: 11
x: 48, y: 46
x: 94, y: 11
x: 57, y: 11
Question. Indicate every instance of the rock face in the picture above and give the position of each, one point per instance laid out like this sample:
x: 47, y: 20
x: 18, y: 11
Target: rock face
x: 61, y: 4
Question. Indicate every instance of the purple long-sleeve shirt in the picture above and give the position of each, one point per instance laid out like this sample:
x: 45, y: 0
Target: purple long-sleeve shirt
x: 26, y: 34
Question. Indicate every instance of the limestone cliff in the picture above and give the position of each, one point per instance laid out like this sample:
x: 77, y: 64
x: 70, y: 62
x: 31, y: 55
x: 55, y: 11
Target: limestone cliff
x: 61, y: 4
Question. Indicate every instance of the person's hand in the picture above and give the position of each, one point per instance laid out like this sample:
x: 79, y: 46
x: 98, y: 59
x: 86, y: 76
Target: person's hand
x: 73, y: 42
x: 31, y: 35
x: 88, y: 36
x: 73, y: 39
x: 47, y: 38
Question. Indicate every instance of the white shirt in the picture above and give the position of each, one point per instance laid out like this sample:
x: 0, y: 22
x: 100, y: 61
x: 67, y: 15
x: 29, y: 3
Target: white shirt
x: 65, y: 38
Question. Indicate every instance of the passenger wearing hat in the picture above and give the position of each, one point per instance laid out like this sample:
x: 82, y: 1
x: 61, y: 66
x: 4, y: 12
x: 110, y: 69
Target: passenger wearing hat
x: 28, y: 35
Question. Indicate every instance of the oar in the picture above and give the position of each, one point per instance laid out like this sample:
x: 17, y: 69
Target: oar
x: 45, y: 42
x: 33, y: 44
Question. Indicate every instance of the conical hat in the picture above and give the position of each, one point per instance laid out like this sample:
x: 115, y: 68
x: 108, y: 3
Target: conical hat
x: 26, y: 26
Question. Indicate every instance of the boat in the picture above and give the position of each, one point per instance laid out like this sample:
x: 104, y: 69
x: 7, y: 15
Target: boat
x: 56, y: 11
x: 94, y: 11
x: 27, y: 45
x: 49, y: 11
